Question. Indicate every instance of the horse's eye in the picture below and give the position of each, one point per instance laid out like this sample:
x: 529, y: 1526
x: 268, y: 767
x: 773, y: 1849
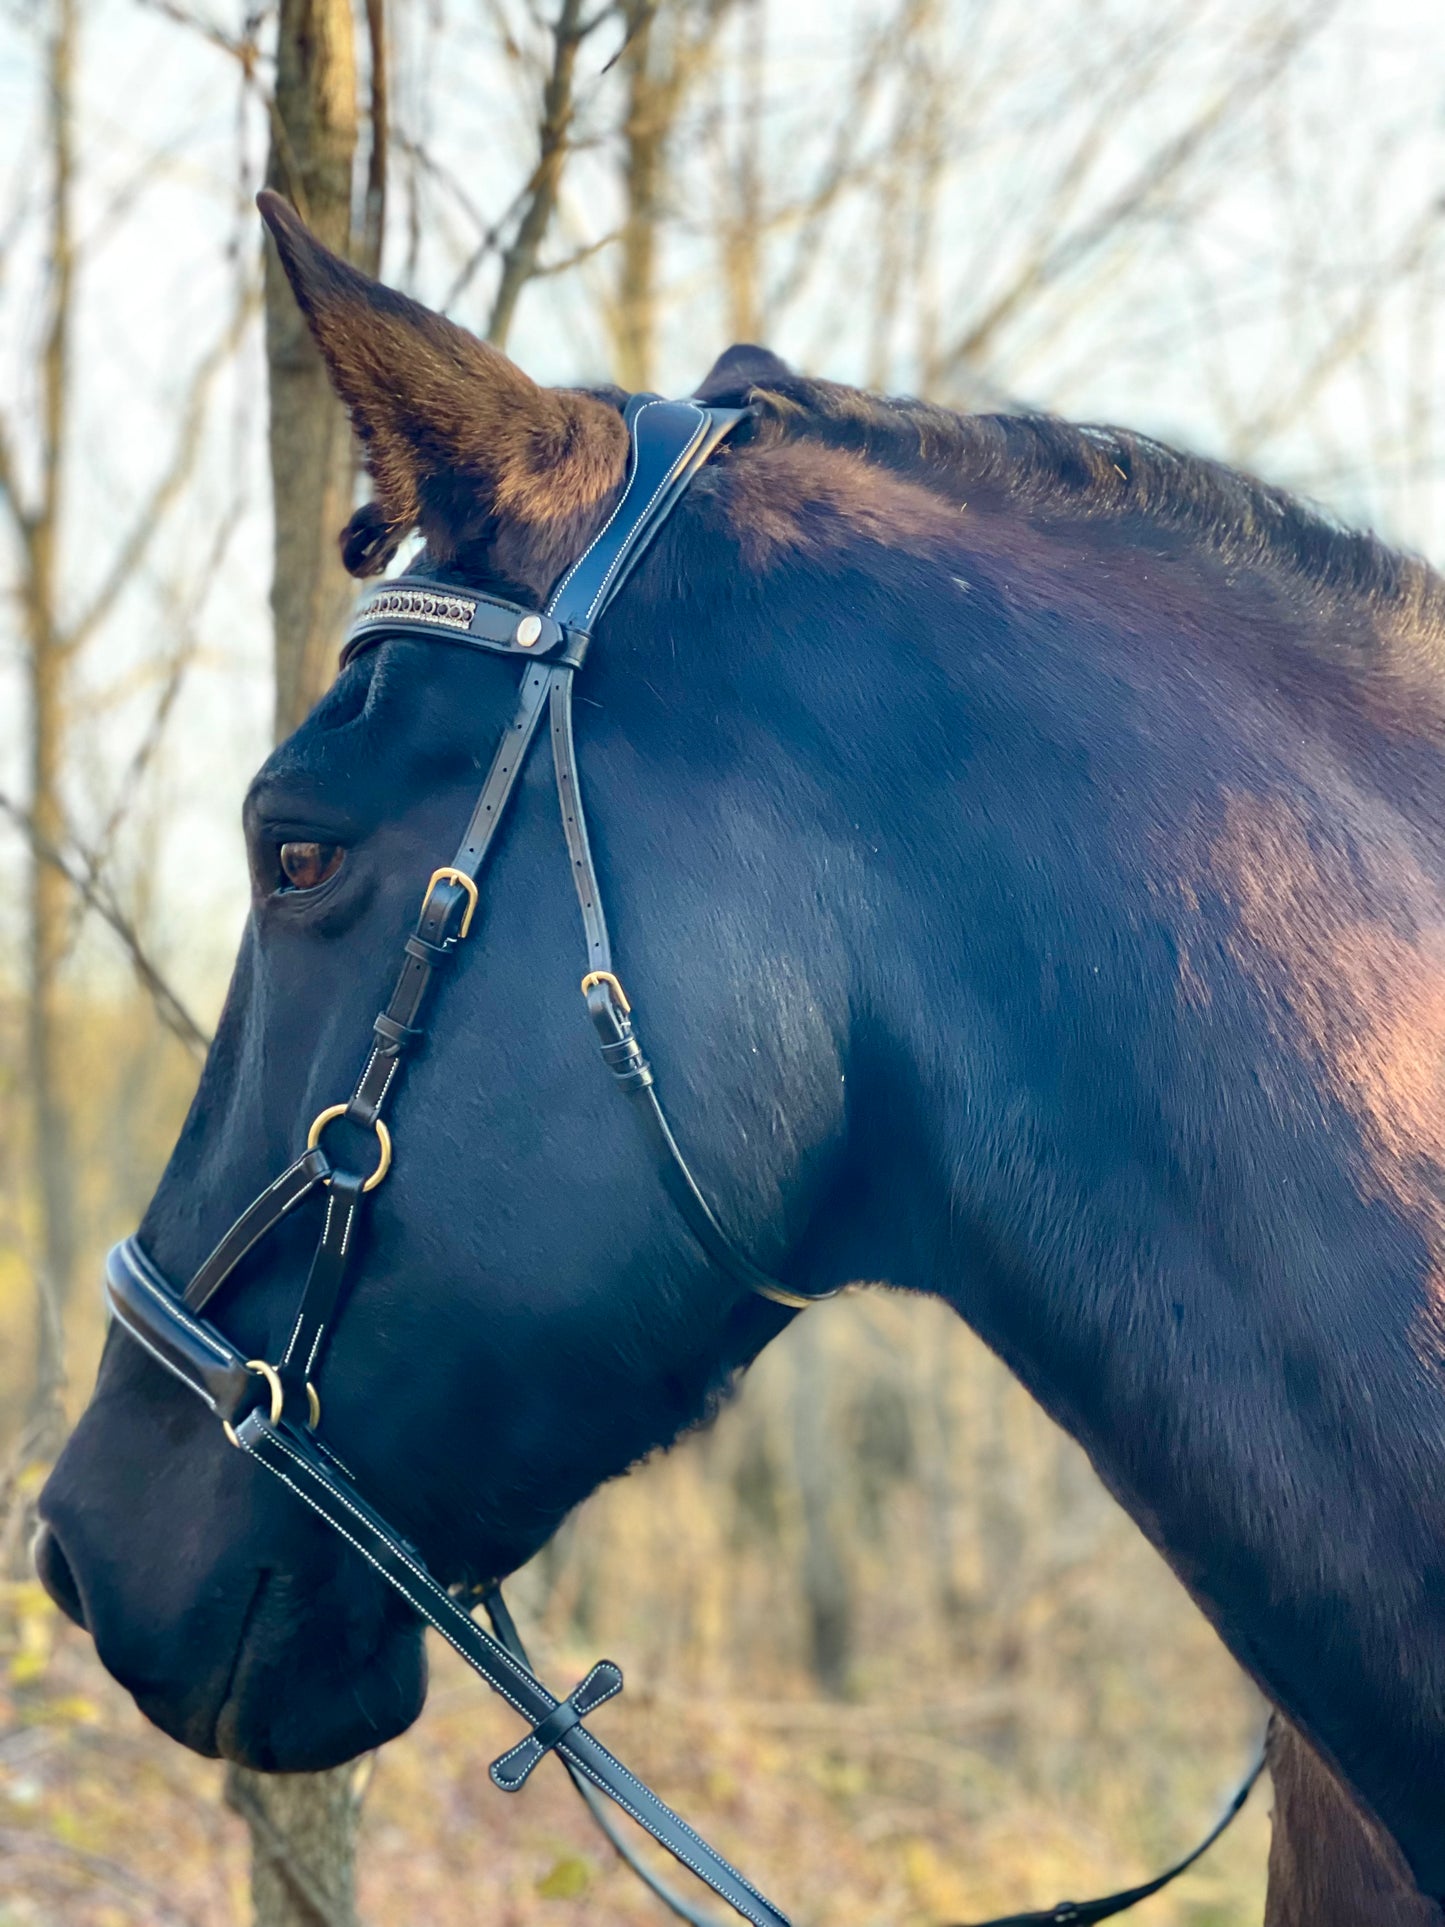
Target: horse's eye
x: 305, y: 865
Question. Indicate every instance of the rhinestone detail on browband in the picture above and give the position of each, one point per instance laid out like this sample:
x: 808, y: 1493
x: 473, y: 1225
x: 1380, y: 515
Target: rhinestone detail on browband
x: 418, y: 605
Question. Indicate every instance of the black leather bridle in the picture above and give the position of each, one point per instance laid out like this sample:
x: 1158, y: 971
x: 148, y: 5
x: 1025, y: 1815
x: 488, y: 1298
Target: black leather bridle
x: 271, y: 1410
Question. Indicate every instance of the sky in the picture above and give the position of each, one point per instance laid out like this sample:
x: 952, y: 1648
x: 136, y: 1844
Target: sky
x: 1212, y: 315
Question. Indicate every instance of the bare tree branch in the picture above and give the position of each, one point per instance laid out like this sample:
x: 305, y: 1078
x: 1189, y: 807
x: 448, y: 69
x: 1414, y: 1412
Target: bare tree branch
x: 133, y: 550
x: 179, y: 661
x: 168, y: 1004
x: 1348, y: 339
x: 1050, y: 260
x: 519, y: 258
x: 244, y: 48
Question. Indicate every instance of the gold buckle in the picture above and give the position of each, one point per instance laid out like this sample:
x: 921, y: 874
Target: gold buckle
x: 619, y: 995
x: 278, y: 1398
x: 383, y: 1138
x: 448, y: 874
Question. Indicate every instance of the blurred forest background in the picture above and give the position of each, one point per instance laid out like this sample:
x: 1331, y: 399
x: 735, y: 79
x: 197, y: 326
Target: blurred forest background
x: 887, y: 1639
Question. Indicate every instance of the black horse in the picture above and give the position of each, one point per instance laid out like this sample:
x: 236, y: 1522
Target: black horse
x: 1026, y: 844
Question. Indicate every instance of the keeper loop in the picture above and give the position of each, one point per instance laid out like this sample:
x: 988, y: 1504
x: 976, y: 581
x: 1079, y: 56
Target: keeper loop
x: 603, y: 1683
x: 394, y: 1035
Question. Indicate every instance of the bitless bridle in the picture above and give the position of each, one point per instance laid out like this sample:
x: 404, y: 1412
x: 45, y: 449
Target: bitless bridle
x: 271, y: 1409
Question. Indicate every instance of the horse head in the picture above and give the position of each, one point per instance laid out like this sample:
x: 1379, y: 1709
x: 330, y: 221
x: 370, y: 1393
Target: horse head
x: 527, y: 1317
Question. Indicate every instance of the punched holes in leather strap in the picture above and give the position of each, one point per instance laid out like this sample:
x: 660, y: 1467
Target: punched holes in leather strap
x: 603, y: 1683
x: 427, y: 953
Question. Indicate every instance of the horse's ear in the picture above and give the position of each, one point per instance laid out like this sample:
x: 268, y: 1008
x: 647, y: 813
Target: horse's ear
x: 739, y: 368
x: 458, y: 441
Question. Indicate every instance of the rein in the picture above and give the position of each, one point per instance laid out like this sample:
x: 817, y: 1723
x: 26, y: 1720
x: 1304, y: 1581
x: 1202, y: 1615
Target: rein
x: 271, y: 1410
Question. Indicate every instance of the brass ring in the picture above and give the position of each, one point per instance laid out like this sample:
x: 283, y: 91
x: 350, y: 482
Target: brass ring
x: 230, y: 1432
x: 383, y: 1138
x: 313, y: 1406
x: 447, y: 874
x: 606, y: 977
x: 273, y: 1379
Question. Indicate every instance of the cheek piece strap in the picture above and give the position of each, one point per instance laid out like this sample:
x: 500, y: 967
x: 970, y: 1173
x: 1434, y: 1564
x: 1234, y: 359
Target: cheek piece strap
x: 271, y: 1410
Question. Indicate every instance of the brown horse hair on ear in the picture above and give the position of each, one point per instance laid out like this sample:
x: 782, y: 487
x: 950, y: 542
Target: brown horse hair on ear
x: 369, y: 541
x: 493, y: 470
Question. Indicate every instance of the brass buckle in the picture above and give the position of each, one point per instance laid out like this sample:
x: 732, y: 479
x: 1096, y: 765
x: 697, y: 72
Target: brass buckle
x: 449, y: 874
x: 619, y: 995
x: 278, y: 1398
x: 383, y: 1138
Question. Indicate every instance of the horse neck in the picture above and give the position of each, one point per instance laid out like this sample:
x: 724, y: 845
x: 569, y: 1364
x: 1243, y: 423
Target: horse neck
x: 1156, y: 1013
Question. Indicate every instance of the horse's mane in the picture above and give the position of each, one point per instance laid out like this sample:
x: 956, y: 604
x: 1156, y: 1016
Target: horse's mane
x: 1103, y: 474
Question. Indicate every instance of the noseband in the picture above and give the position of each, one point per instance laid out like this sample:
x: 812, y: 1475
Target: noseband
x: 271, y: 1409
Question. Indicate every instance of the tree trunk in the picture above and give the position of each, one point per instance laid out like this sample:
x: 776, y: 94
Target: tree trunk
x: 313, y: 155
x: 827, y: 1582
x: 303, y: 1844
x: 650, y: 106
x: 304, y: 1826
x: 47, y: 665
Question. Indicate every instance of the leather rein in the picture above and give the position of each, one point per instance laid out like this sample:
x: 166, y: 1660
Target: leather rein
x: 271, y: 1409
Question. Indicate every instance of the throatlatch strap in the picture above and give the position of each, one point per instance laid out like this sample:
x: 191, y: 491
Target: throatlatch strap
x: 1084, y: 1913
x: 622, y: 1050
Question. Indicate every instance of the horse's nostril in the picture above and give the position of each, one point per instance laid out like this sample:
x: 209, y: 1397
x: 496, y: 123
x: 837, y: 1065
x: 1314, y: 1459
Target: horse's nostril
x: 55, y: 1575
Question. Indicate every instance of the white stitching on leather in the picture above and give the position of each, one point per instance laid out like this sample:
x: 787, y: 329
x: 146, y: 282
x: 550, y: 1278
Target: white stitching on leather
x: 430, y: 1586
x: 373, y: 1561
x: 617, y: 559
x: 160, y: 1358
x: 515, y: 1774
x: 391, y: 1073
x: 301, y: 1312
x: 617, y: 509
x: 582, y: 1705
x: 302, y: 1184
x: 420, y: 1572
x: 588, y: 1772
x: 174, y: 1306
